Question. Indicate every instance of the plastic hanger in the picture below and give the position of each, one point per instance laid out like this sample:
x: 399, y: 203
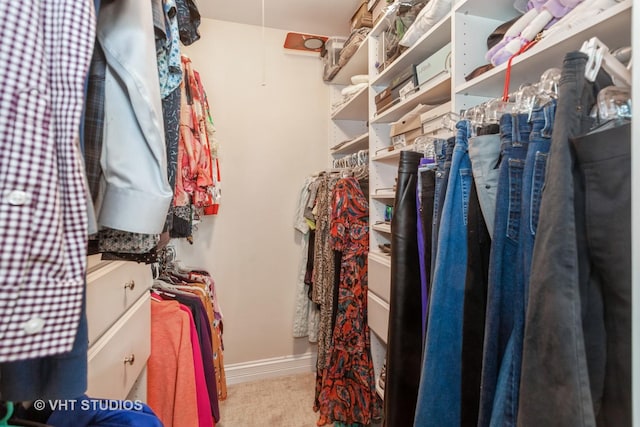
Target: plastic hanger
x: 546, y: 90
x: 4, y: 421
x: 525, y: 98
x: 613, y: 106
x: 426, y: 145
x: 600, y: 57
x: 496, y: 108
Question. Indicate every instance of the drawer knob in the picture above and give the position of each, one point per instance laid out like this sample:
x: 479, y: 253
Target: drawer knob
x: 130, y: 360
x: 131, y: 284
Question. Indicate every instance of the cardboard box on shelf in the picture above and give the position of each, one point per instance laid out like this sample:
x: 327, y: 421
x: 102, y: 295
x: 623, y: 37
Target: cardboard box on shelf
x: 433, y: 120
x: 408, y: 89
x: 407, y: 74
x: 383, y: 99
x: 376, y: 8
x: 362, y: 17
x: 409, y: 127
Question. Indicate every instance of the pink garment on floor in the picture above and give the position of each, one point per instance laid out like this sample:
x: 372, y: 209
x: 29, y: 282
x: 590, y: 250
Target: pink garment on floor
x: 205, y: 418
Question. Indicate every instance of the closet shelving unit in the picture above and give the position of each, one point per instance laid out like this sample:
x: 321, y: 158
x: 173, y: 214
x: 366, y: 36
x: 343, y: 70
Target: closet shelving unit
x: 467, y: 27
x: 473, y: 21
x: 349, y: 121
x: 384, y: 195
x: 353, y: 146
x: 382, y: 228
x: 352, y: 109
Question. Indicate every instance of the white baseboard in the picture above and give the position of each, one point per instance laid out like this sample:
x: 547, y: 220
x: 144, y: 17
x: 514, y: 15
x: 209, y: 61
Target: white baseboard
x: 270, y: 368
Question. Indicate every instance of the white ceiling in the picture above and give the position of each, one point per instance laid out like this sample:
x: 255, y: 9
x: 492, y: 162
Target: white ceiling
x: 321, y: 17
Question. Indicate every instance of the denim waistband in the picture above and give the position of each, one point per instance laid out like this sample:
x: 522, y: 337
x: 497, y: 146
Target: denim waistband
x: 463, y: 133
x: 573, y: 67
x: 542, y: 120
x: 514, y: 130
x: 484, y: 151
x: 445, y: 153
x: 441, y: 152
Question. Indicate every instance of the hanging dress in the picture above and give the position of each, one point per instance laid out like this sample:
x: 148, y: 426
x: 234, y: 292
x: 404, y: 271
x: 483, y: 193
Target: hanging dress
x: 348, y: 391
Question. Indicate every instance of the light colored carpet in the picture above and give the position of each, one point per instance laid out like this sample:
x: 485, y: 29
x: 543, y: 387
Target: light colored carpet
x: 281, y: 402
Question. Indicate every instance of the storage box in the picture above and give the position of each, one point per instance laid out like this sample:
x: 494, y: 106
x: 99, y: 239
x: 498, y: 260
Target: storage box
x: 434, y: 65
x: 383, y: 99
x: 407, y: 89
x: 406, y: 74
x: 362, y: 17
x: 432, y: 120
x: 409, y: 127
x: 376, y: 7
x: 330, y: 57
x: 382, y: 95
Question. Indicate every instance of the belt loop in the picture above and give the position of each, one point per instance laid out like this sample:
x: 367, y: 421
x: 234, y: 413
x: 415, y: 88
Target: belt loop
x: 515, y: 128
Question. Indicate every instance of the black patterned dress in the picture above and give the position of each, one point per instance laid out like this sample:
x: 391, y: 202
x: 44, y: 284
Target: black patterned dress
x: 348, y: 383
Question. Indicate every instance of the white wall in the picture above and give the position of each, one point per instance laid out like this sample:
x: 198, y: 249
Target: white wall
x: 271, y: 137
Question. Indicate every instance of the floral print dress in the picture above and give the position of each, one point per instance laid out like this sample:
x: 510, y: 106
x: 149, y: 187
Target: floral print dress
x: 348, y: 382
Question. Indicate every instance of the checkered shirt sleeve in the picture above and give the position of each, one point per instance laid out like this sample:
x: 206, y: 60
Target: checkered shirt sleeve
x: 44, y: 56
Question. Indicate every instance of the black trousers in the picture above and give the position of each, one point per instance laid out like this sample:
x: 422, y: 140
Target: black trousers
x: 602, y: 186
x: 404, y: 342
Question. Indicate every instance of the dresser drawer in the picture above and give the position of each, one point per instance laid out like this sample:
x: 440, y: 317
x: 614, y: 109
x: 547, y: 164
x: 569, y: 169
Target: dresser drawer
x: 380, y: 276
x: 119, y: 356
x: 378, y: 312
x: 111, y: 290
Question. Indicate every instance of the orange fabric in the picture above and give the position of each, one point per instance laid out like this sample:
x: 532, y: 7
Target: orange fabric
x: 171, y: 384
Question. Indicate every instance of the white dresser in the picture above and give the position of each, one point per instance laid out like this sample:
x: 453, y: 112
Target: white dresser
x: 119, y: 318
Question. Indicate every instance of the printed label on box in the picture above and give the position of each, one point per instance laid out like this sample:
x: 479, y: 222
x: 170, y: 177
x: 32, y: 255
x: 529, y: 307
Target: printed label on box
x: 407, y: 90
x: 399, y: 140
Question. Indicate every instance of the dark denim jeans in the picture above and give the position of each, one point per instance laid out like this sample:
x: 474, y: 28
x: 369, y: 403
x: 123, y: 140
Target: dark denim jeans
x: 444, y: 153
x: 475, y: 306
x: 439, y: 395
x: 425, y: 197
x: 564, y: 316
x: 535, y: 168
x: 603, y: 217
x: 505, y: 297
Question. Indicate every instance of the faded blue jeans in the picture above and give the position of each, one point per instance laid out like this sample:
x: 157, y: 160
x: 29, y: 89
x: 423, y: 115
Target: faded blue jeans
x: 439, y: 394
x: 484, y: 151
x: 505, y: 297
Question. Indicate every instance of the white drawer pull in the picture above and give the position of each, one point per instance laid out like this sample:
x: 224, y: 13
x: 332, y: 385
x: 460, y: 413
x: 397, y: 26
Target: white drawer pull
x: 131, y: 284
x: 130, y: 360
